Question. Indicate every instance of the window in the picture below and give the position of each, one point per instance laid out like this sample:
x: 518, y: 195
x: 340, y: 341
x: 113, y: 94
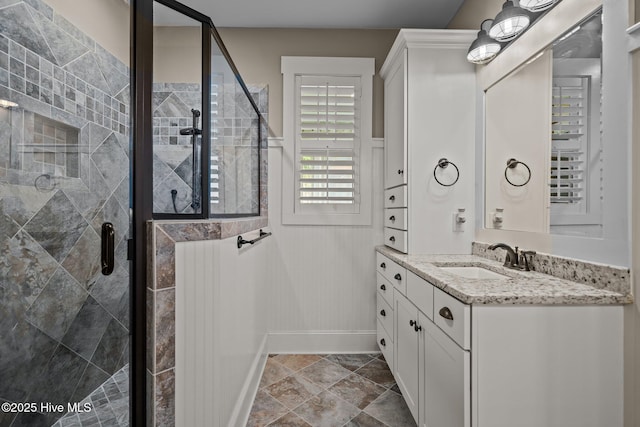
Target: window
x: 327, y: 135
x: 576, y: 145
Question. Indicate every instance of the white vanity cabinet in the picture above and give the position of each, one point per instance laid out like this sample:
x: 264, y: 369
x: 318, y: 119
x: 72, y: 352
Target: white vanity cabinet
x: 431, y: 369
x: 552, y: 366
x: 428, y: 82
x: 407, y: 340
x: 445, y: 389
x: 499, y: 365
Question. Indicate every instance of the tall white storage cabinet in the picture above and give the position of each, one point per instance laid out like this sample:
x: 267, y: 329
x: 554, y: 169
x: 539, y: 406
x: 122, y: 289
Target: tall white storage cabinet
x: 429, y: 115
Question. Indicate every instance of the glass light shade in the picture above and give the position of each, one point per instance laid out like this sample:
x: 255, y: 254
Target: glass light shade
x: 483, y: 49
x: 509, y: 23
x: 537, y: 5
x: 4, y: 103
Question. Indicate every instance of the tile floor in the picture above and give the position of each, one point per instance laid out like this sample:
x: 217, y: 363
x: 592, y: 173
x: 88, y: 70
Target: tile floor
x: 109, y: 403
x: 308, y: 390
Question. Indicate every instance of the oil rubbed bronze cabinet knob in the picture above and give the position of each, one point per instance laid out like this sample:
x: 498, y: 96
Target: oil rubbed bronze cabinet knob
x: 383, y: 287
x: 383, y: 313
x: 383, y: 266
x: 383, y: 342
x: 397, y: 276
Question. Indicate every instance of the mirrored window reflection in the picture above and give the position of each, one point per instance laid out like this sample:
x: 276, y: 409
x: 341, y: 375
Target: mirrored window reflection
x: 576, y: 146
x: 177, y: 112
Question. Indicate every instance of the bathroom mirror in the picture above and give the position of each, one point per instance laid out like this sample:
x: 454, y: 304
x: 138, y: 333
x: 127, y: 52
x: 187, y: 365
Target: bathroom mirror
x: 543, y: 139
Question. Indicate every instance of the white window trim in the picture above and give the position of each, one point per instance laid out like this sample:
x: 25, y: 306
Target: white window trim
x: 291, y: 66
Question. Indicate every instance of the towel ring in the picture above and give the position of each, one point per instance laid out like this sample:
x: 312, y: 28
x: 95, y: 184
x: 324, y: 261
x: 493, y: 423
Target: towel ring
x: 511, y: 164
x: 443, y: 163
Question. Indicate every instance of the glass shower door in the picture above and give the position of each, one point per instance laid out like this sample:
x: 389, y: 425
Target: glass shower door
x: 177, y: 113
x: 64, y: 173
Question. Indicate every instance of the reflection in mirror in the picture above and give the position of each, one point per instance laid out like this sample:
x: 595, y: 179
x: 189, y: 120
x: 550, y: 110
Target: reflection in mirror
x: 517, y: 127
x: 556, y: 93
x: 576, y: 146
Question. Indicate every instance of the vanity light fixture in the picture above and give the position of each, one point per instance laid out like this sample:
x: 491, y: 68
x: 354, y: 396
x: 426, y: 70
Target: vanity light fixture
x: 5, y: 103
x: 513, y: 20
x: 537, y: 5
x: 510, y: 22
x: 484, y: 48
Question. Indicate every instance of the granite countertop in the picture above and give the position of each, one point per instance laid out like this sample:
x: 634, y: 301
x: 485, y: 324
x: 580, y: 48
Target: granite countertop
x: 519, y: 287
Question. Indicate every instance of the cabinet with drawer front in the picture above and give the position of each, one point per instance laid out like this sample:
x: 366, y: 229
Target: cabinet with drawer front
x: 434, y: 342
x: 424, y: 334
x: 425, y: 75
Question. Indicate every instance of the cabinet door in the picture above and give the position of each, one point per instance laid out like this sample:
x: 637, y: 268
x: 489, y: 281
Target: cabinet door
x: 395, y: 126
x: 406, y: 370
x: 446, y: 397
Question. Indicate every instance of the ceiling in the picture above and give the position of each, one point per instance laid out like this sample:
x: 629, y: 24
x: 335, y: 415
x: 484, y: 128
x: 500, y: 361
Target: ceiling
x: 324, y: 14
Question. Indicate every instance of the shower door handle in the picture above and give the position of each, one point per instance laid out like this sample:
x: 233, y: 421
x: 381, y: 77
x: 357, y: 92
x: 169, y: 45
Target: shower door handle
x: 108, y: 249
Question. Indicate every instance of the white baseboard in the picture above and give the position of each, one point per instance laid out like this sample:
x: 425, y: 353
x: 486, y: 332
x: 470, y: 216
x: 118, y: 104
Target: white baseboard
x: 322, y: 342
x: 242, y: 409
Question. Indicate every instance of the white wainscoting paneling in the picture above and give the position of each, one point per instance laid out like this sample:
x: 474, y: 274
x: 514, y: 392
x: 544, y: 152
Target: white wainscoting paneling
x: 221, y: 330
x: 322, y: 278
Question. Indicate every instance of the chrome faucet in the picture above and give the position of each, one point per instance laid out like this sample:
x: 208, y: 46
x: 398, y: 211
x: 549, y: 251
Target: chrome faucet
x: 514, y: 259
x: 511, y: 259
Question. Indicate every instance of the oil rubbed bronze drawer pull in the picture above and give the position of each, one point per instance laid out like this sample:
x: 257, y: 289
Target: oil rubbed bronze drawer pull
x: 446, y: 313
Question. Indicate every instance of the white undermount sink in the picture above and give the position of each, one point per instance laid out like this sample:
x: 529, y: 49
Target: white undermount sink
x: 472, y: 272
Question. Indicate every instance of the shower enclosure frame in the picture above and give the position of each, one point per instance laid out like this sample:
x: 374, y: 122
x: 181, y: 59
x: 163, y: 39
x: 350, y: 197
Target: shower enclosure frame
x: 209, y: 31
x: 142, y: 173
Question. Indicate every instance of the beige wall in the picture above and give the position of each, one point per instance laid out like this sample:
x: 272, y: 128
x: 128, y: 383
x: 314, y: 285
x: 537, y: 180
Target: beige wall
x: 106, y: 21
x: 177, y: 54
x: 257, y: 52
x: 473, y: 12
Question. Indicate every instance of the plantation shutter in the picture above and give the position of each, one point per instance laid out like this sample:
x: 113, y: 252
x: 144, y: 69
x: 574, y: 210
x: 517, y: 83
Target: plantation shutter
x: 569, y: 139
x: 327, y: 140
x: 217, y: 95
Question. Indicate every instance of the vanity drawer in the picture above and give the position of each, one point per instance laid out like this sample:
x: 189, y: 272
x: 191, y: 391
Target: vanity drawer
x: 385, y: 315
x: 393, y: 272
x: 453, y: 317
x: 385, y: 288
x: 385, y: 344
x: 396, y: 239
x: 420, y: 292
x: 396, y: 197
x: 396, y: 218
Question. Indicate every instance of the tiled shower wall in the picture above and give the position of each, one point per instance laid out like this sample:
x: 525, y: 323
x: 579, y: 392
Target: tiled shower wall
x: 64, y: 170
x: 172, y: 152
x: 234, y: 146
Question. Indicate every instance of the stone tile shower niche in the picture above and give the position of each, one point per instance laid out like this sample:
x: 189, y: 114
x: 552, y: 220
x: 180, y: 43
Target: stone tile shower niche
x: 47, y: 146
x: 64, y: 171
